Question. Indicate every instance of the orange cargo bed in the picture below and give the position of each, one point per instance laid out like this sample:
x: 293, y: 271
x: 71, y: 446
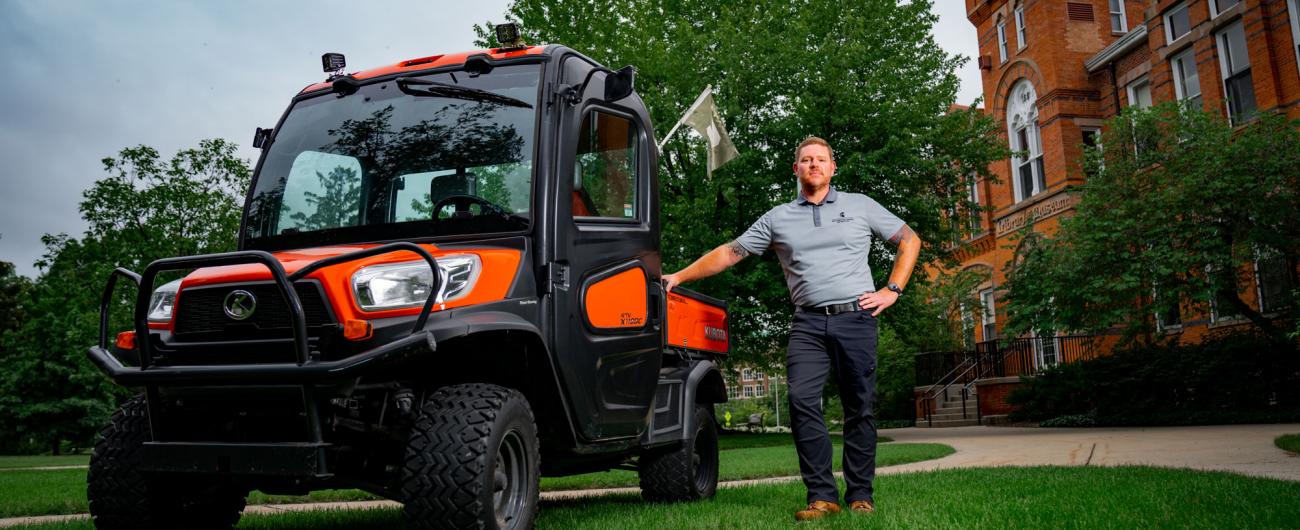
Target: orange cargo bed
x: 697, y: 322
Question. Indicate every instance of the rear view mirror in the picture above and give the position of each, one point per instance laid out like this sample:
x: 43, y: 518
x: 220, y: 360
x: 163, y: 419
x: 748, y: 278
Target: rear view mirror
x: 260, y: 136
x: 620, y: 84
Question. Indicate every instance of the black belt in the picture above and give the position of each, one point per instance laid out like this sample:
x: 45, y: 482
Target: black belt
x: 833, y: 309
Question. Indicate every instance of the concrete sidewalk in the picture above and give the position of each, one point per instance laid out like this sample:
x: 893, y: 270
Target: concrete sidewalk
x: 1244, y: 449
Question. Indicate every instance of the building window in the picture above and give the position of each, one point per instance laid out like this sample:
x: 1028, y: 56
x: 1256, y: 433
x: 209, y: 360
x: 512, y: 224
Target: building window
x: 967, y: 327
x: 1002, y: 41
x: 1020, y: 28
x: 1177, y: 23
x: 1022, y: 129
x: 1293, y: 9
x: 760, y: 390
x: 758, y: 376
x: 1170, y: 317
x: 732, y: 392
x: 1118, y: 24
x: 1139, y: 93
x: 1217, y: 7
x: 1234, y: 64
x: 1091, y: 140
x: 1273, y: 282
x: 1187, y: 84
x: 746, y: 375
x: 990, y: 317
x: 973, y: 192
x: 749, y: 391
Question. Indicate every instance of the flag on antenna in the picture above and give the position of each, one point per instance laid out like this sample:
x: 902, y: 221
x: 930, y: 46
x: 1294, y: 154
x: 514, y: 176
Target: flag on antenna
x: 704, y: 118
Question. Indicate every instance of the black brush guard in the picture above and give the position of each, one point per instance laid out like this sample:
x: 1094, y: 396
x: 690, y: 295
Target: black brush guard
x: 276, y: 459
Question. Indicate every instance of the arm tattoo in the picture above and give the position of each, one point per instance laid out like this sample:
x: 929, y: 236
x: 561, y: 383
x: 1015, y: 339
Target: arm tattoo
x: 905, y: 233
x: 738, y: 250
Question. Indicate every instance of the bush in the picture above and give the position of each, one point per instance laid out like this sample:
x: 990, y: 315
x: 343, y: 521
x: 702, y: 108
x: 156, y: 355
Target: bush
x: 1225, y: 379
x: 1289, y: 442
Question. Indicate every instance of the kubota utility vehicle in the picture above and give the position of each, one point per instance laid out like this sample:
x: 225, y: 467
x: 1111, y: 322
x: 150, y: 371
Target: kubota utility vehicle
x: 447, y: 286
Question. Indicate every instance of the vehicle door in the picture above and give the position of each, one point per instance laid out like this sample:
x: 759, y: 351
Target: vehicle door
x: 606, y: 261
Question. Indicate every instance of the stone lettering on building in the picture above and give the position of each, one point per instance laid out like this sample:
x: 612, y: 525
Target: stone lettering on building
x: 1042, y: 210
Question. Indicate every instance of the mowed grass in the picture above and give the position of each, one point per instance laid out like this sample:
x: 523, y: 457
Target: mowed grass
x: 1028, y: 498
x: 11, y: 462
x: 1289, y: 442
x: 53, y: 492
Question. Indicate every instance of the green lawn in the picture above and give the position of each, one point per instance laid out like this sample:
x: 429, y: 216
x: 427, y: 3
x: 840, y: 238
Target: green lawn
x: 30, y: 492
x: 1289, y: 442
x: 1029, y: 498
x: 10, y: 462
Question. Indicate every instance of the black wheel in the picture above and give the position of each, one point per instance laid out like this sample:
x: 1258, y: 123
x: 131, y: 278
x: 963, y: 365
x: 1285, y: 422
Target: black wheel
x: 122, y: 497
x: 688, y: 472
x: 472, y: 460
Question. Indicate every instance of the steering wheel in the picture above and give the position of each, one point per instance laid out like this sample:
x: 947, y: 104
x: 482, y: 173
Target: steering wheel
x: 462, y: 204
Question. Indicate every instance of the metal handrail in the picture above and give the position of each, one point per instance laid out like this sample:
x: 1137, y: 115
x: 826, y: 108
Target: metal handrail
x: 929, y: 394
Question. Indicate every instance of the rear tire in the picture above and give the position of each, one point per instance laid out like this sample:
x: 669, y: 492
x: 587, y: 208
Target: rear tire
x: 472, y: 461
x: 688, y: 472
x: 121, y: 497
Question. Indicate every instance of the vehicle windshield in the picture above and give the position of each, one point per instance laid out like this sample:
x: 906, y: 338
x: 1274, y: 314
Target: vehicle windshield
x: 434, y: 155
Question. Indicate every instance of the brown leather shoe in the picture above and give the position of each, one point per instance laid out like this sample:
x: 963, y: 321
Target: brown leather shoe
x: 862, y: 507
x: 817, y: 510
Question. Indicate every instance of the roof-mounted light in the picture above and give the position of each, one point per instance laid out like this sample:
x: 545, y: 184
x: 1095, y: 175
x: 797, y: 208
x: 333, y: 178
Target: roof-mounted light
x: 509, y: 36
x: 333, y: 64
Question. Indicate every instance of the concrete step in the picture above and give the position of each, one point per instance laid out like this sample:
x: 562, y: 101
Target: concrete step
x: 950, y: 410
x: 947, y: 423
x: 952, y: 416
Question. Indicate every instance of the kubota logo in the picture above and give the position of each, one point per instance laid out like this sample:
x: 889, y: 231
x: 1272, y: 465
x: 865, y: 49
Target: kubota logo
x: 240, y: 304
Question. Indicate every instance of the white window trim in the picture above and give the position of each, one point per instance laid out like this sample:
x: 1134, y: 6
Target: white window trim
x: 1179, y: 93
x: 1225, y: 69
x: 1123, y: 17
x: 1131, y: 88
x: 1169, y: 36
x: 988, y: 312
x: 1214, y: 8
x: 1160, y: 325
x: 1020, y: 28
x: 1002, y: 41
x: 1293, y: 9
x: 746, y: 375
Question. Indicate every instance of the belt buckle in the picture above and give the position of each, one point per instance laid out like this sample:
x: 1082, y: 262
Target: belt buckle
x: 829, y: 310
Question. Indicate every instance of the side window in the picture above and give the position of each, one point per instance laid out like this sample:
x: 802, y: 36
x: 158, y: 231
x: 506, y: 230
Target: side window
x: 605, y: 171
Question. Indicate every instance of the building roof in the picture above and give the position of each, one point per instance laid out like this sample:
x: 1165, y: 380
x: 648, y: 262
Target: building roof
x: 1130, y: 40
x: 435, y: 61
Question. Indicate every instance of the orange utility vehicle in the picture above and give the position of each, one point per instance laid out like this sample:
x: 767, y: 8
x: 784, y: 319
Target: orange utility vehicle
x: 447, y: 286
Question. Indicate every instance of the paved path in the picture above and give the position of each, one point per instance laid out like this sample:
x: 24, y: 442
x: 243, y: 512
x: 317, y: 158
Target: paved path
x: 1245, y: 449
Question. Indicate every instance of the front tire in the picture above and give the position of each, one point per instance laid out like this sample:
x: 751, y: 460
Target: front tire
x: 121, y: 497
x: 690, y: 471
x: 472, y: 461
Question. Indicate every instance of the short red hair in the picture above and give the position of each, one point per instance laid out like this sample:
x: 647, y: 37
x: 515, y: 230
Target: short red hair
x: 813, y: 140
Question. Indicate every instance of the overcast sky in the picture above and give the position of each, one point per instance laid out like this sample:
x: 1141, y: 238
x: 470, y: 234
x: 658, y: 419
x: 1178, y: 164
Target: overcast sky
x: 85, y: 79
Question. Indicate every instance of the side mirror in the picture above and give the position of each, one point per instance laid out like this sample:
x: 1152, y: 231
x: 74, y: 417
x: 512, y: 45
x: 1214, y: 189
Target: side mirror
x: 619, y: 85
x: 260, y: 136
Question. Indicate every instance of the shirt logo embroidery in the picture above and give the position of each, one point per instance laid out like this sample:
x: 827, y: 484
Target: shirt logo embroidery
x: 842, y: 219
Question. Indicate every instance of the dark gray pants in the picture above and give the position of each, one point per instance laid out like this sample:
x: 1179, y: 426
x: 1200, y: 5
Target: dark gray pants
x: 847, y: 343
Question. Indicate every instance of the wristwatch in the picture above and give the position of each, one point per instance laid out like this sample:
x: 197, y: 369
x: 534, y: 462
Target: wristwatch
x: 895, y: 288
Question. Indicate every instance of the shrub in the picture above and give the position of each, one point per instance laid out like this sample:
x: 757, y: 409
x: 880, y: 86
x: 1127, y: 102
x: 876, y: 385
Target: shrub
x: 1225, y: 379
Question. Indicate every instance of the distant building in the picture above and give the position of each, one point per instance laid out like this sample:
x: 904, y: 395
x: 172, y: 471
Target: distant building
x: 749, y: 383
x: 1053, y: 71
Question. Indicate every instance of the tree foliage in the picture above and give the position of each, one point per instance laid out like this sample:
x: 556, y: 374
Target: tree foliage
x: 867, y: 76
x: 145, y: 209
x: 1178, y: 206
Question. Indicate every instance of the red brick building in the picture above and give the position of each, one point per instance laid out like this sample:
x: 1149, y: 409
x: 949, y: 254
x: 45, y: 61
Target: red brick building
x: 1054, y: 70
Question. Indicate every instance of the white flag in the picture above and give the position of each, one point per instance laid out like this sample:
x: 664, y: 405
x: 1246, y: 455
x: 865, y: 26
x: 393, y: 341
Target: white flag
x: 703, y: 117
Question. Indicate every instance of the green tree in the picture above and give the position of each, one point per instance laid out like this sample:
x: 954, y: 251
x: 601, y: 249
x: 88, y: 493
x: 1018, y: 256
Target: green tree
x: 145, y: 209
x: 1178, y: 206
x: 867, y: 76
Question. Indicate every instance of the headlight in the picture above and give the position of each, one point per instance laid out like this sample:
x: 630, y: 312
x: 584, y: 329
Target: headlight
x: 163, y: 301
x: 399, y: 285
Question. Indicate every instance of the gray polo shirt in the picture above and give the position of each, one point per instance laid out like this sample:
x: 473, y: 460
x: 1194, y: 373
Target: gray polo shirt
x: 823, y: 247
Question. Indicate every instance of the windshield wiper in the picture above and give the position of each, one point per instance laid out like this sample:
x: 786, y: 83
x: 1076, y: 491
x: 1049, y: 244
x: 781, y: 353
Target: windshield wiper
x: 447, y: 90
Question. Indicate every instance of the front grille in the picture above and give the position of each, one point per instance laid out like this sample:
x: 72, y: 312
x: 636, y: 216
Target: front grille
x: 200, y: 310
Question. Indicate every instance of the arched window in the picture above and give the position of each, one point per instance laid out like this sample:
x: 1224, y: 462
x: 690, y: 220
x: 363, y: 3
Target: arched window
x: 1022, y: 130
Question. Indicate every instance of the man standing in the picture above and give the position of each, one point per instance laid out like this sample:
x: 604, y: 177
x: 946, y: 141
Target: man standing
x: 822, y: 239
